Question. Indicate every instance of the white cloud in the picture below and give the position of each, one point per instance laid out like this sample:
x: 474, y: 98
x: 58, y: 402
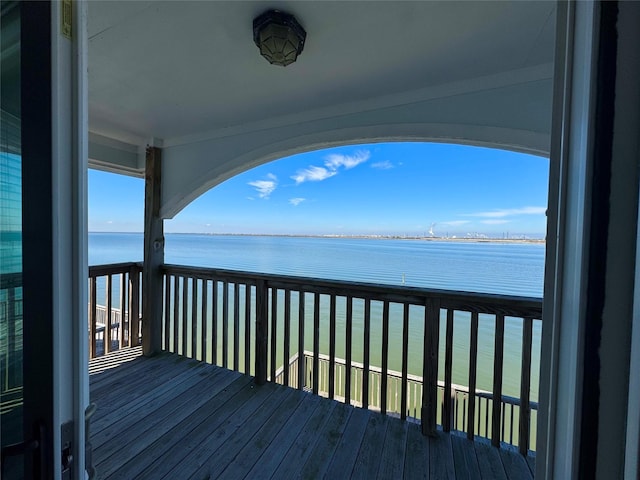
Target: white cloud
x: 384, y: 165
x: 494, y: 222
x: 312, y: 174
x: 507, y: 212
x: 337, y: 160
x: 265, y: 187
x: 296, y: 201
x: 332, y: 165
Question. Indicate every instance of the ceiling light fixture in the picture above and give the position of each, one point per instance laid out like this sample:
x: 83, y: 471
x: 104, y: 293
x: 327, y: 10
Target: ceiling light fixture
x: 279, y: 37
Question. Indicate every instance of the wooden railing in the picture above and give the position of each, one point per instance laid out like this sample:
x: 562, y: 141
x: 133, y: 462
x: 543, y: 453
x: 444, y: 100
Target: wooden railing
x: 114, y: 299
x: 253, y: 322
x: 10, y: 331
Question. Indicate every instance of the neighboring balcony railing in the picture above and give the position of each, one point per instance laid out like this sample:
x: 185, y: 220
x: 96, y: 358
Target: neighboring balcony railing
x: 114, y: 299
x: 386, y: 348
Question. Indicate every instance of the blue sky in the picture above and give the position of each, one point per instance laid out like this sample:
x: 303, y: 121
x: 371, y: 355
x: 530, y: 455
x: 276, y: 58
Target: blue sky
x: 376, y: 189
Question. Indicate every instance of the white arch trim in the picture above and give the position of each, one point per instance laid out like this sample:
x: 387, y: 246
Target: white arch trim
x: 188, y: 172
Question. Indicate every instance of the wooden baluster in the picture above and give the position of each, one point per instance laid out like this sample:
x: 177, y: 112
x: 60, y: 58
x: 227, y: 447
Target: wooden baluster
x: 108, y: 314
x: 214, y: 322
x: 524, y: 430
x: 236, y: 327
x: 176, y: 311
x: 448, y: 362
x: 167, y: 312
x: 194, y: 317
x: 366, y: 353
x: 247, y: 329
x: 332, y: 346
x: 473, y: 367
x: 348, y: 346
x: 225, y: 324
x: 93, y: 314
x: 430, y: 366
x: 511, y: 424
x: 497, y: 380
x: 385, y: 357
x: 134, y: 310
x: 287, y: 335
x: 262, y: 313
x: 123, y: 294
x: 274, y: 333
x: 405, y: 361
x: 301, y: 356
x: 204, y: 319
x: 185, y: 291
x: 316, y: 342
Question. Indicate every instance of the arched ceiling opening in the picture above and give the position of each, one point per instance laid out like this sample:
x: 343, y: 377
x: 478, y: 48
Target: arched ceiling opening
x: 382, y: 189
x: 187, y: 77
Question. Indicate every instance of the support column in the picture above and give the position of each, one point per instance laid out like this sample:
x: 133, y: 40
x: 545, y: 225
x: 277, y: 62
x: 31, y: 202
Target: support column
x: 153, y: 256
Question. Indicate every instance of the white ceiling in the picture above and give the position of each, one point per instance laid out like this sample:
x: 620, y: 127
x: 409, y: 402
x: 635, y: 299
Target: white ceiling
x: 167, y: 70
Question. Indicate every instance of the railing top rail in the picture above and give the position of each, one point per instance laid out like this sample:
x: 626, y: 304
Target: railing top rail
x: 112, y: 268
x: 509, y: 305
x: 10, y: 280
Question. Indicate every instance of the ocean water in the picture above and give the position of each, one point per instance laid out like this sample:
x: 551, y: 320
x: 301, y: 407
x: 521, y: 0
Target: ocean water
x: 503, y: 268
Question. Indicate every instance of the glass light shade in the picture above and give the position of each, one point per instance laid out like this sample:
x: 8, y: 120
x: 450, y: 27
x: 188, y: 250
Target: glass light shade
x: 279, y: 37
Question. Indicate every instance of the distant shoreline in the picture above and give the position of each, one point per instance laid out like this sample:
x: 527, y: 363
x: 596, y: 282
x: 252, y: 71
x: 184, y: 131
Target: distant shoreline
x: 539, y: 241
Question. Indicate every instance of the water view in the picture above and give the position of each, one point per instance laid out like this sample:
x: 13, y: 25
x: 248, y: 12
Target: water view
x: 484, y: 267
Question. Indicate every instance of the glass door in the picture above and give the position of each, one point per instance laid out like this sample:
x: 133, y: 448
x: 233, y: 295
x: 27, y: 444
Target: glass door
x: 11, y: 340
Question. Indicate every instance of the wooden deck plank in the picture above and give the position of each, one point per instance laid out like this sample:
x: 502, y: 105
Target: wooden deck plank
x: 273, y: 455
x: 118, y: 400
x: 212, y: 433
x: 441, y: 457
x: 277, y: 407
x: 368, y: 461
x: 274, y: 438
x: 328, y: 438
x: 416, y: 459
x: 136, y: 374
x: 299, y: 452
x: 515, y: 465
x: 115, y: 359
x: 181, y: 418
x: 464, y: 458
x: 136, y: 455
x: 108, y: 414
x: 143, y: 412
x: 393, y: 452
x: 348, y: 448
x: 489, y: 461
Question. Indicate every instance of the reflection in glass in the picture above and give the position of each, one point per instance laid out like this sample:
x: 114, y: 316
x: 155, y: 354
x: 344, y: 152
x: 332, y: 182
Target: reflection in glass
x: 11, y: 355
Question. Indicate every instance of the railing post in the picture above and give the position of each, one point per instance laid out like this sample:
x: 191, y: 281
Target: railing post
x: 430, y: 366
x: 524, y: 430
x: 498, y: 362
x: 262, y: 313
x: 153, y: 256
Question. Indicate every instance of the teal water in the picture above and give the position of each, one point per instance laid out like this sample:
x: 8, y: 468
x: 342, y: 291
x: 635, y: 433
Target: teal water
x: 511, y: 269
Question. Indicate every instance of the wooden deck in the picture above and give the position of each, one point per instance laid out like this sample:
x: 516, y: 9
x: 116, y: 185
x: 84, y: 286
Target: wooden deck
x: 177, y: 418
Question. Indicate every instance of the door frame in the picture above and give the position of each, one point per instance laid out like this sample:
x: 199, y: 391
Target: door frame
x: 54, y: 166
